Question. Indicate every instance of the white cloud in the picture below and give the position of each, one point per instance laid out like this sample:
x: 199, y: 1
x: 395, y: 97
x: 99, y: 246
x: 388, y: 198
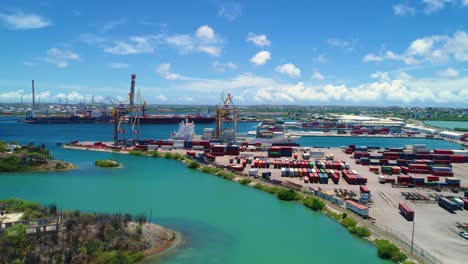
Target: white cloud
x: 210, y: 50
x: 161, y: 98
x: 449, y: 73
x: 343, y: 44
x: 322, y: 58
x: 316, y: 75
x: 60, y: 57
x: 204, y: 40
x: 402, y: 10
x: 222, y: 67
x: 372, y: 57
x: 230, y: 11
x: 289, y: 69
x: 434, y: 49
x: 434, y: 5
x: 165, y: 71
x: 205, y: 32
x: 23, y: 21
x: 108, y: 26
x: 118, y: 65
x: 135, y: 45
x: 258, y: 40
x: 465, y: 3
x: 261, y: 57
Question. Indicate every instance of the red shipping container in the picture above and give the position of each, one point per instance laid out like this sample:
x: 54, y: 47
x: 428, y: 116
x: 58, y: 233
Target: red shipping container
x: 406, y: 211
x: 364, y: 189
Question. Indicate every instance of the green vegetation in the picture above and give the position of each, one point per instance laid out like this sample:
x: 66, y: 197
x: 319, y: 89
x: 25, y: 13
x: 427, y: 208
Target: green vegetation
x: 193, y: 165
x: 136, y: 152
x: 168, y: 155
x: 360, y: 231
x: 461, y: 129
x: 28, y: 157
x: 387, y: 250
x: 314, y: 203
x: 266, y: 188
x: 84, y: 237
x: 288, y: 195
x: 349, y: 222
x: 107, y: 163
x: 155, y: 154
x: 245, y: 181
x: 177, y: 156
x: 336, y: 216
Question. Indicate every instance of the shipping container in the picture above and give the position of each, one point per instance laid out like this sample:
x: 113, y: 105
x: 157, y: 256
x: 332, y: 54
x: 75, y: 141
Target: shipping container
x: 406, y: 211
x: 447, y: 204
x: 357, y: 208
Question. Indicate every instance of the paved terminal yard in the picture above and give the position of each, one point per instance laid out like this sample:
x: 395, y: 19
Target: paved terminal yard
x: 436, y: 232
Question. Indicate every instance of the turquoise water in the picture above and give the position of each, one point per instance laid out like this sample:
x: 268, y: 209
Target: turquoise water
x: 448, y: 124
x: 221, y: 221
x: 50, y: 134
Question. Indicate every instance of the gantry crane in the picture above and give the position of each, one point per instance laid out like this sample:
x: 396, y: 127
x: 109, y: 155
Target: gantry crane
x: 226, y: 111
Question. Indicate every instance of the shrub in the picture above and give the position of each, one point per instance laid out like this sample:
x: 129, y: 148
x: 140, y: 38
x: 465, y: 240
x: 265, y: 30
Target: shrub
x: 349, y: 223
x: 314, y: 203
x: 141, y: 218
x: 155, y: 154
x: 136, y: 152
x: 345, y: 215
x: 360, y: 231
x: 168, y: 155
x: 288, y: 195
x: 177, y: 156
x: 193, y: 165
x: 387, y: 250
x: 245, y: 181
x: 107, y: 163
x: 229, y: 176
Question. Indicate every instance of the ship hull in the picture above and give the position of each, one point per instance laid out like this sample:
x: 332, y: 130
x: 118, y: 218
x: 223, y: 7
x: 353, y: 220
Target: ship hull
x: 176, y: 120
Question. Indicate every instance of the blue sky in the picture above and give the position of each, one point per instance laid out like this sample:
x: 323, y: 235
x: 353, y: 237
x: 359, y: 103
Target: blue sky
x: 380, y: 52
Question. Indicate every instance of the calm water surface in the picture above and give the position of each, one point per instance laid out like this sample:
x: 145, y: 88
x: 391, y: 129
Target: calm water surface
x: 221, y: 221
x: 448, y: 124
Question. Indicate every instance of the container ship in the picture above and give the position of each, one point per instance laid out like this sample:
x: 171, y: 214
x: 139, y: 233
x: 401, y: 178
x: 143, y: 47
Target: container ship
x: 175, y: 119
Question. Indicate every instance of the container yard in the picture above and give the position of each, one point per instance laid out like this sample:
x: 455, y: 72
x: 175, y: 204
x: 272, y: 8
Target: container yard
x: 390, y: 187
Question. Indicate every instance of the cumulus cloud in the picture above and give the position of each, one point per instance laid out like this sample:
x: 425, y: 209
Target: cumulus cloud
x: 258, y: 40
x: 434, y: 49
x: 222, y: 67
x: 261, y: 57
x: 164, y: 70
x: 118, y: 65
x: 449, y: 73
x: 204, y: 40
x: 402, y: 10
x: 289, y: 69
x: 23, y: 21
x: 316, y: 75
x: 205, y: 32
x: 60, y: 57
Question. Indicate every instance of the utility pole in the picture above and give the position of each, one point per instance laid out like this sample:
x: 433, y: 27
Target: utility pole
x: 412, y: 235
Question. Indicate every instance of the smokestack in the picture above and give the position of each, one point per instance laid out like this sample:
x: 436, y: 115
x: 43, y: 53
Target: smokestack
x: 33, y: 97
x: 132, y: 91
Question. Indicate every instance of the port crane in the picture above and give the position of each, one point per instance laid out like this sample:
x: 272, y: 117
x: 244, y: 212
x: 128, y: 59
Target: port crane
x: 126, y: 116
x: 225, y: 111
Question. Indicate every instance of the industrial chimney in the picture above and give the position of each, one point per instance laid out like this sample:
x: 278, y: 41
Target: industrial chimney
x: 33, y: 97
